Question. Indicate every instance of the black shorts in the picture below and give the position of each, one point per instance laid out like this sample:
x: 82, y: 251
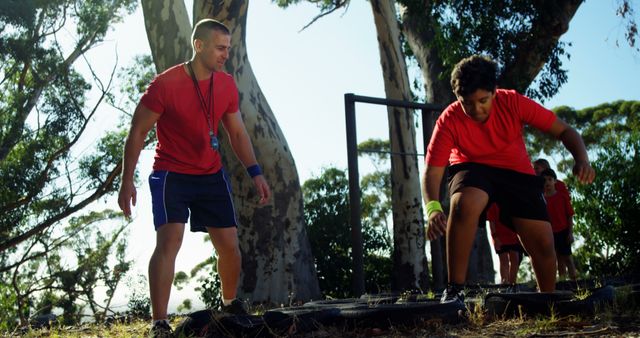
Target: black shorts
x: 511, y: 247
x: 561, y: 242
x: 517, y: 194
x: 207, y: 197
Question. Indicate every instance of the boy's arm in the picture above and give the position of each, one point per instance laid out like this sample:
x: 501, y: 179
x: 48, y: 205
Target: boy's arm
x: 431, y: 180
x: 573, y: 142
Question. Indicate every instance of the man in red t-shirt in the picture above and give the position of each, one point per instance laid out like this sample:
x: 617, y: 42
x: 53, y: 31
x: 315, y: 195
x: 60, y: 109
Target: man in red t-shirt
x: 506, y: 245
x: 186, y: 103
x: 561, y: 218
x: 480, y: 137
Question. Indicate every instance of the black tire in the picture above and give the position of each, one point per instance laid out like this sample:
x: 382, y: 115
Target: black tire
x: 380, y: 298
x: 399, y: 313
x: 336, y: 303
x: 534, y: 303
x: 211, y: 323
x: 300, y: 319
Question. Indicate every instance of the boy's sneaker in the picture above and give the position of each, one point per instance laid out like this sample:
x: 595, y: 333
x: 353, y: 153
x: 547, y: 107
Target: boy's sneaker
x: 453, y: 293
x: 237, y: 307
x: 161, y: 329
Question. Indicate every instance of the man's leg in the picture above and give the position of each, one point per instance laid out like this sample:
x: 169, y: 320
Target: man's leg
x: 466, y: 207
x: 162, y: 266
x: 225, y: 241
x: 537, y: 238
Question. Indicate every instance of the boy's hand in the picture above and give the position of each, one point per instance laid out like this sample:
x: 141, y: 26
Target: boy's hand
x: 584, y: 172
x: 437, y: 225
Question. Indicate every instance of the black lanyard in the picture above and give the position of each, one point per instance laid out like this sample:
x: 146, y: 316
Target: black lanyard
x: 206, y: 109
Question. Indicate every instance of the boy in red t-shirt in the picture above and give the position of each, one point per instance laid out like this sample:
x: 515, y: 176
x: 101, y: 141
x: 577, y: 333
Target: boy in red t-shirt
x: 479, y: 137
x: 506, y: 245
x: 561, y: 217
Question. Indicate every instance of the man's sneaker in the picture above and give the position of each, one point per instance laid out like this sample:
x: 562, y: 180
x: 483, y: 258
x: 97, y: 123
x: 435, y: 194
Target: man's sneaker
x: 453, y: 293
x: 161, y: 329
x: 237, y: 307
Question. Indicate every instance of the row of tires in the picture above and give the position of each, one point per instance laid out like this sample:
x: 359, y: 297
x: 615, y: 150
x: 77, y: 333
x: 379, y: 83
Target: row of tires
x: 383, y: 310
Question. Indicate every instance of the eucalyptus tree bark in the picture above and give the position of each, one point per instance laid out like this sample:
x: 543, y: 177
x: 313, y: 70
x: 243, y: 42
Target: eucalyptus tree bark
x: 410, y: 269
x: 535, y: 47
x: 277, y: 264
x: 419, y: 29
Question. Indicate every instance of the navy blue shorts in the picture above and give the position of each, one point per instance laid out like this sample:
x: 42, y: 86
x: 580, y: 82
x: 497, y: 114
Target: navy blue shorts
x: 517, y: 194
x: 207, y: 197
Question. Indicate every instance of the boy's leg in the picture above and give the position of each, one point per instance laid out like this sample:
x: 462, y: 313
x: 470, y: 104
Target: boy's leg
x: 162, y: 266
x: 225, y: 241
x: 562, y: 267
x: 466, y: 206
x: 571, y: 268
x: 537, y: 238
x: 514, y: 264
x: 504, y: 267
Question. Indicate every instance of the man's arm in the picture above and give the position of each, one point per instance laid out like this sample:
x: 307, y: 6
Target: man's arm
x: 143, y: 120
x: 242, y: 147
x: 573, y: 142
x: 431, y: 180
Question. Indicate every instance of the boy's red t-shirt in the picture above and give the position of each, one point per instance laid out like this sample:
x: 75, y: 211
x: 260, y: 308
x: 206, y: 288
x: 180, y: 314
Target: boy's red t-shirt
x: 505, y: 235
x: 496, y: 142
x: 560, y: 210
x: 183, y: 134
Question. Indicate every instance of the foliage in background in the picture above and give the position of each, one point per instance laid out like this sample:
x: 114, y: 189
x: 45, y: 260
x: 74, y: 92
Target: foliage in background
x: 326, y: 209
x: 52, y: 165
x: 607, y: 210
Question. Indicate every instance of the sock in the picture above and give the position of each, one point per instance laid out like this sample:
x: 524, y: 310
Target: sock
x: 227, y: 302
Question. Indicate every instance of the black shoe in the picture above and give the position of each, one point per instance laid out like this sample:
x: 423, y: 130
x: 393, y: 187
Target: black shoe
x: 513, y: 288
x: 453, y: 293
x: 237, y: 307
x: 161, y: 329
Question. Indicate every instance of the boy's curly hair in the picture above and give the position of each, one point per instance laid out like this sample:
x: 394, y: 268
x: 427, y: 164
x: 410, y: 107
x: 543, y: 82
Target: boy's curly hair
x: 473, y: 73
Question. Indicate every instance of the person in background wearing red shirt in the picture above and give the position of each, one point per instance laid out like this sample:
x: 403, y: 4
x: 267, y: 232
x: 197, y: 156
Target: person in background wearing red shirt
x: 186, y: 103
x: 480, y: 137
x: 506, y: 245
x: 561, y: 217
x: 541, y: 165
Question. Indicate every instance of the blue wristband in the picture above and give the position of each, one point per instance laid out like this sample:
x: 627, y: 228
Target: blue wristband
x: 254, y: 170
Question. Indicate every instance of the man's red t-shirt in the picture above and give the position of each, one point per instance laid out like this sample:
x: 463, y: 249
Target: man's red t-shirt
x: 560, y: 210
x: 496, y: 142
x: 183, y: 134
x: 505, y: 235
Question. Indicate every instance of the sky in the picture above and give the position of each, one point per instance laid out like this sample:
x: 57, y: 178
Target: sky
x: 305, y: 74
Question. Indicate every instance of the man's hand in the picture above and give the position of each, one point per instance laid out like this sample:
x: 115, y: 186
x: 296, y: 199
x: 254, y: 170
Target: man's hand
x: 262, y: 188
x: 584, y: 172
x: 126, y: 197
x: 437, y: 225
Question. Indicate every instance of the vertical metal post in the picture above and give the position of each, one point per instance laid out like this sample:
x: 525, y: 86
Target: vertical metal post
x: 354, y: 196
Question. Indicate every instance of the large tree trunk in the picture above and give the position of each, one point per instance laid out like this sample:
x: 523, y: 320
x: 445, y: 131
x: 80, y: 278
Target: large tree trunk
x: 419, y: 31
x: 409, y: 260
x: 536, y: 46
x: 277, y: 264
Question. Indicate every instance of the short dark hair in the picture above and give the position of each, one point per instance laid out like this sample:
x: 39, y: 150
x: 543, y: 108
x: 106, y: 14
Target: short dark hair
x: 206, y: 26
x: 549, y: 173
x: 542, y: 162
x: 473, y: 73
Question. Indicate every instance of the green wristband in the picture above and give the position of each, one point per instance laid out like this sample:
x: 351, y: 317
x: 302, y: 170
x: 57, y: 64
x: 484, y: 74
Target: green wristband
x: 433, y: 206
